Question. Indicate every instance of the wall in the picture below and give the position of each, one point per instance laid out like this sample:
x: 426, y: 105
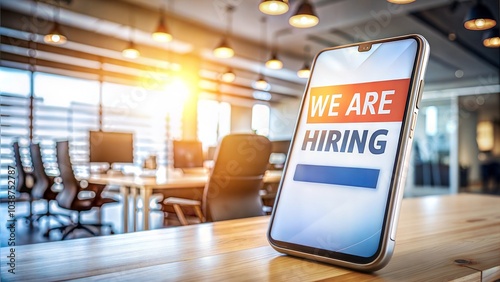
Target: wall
x: 283, y: 119
x: 467, y: 145
x: 241, y: 119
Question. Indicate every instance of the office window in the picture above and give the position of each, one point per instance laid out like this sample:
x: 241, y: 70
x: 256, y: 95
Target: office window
x: 66, y: 108
x: 14, y: 81
x: 144, y: 113
x: 14, y: 123
x: 260, y: 119
x: 214, y: 121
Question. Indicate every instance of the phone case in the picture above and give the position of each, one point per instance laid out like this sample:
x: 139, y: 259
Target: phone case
x: 284, y: 227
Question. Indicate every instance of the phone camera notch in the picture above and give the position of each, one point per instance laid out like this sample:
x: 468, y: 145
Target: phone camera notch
x: 364, y: 47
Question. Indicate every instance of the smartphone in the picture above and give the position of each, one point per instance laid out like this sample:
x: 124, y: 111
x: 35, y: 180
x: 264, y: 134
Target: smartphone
x: 339, y: 198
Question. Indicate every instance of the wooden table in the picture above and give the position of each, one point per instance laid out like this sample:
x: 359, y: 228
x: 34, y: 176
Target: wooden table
x: 440, y: 238
x: 130, y: 184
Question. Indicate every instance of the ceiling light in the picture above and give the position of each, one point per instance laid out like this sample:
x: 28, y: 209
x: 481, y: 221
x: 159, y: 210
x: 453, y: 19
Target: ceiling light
x: 305, y: 71
x: 162, y: 33
x: 400, y: 1
x: 223, y: 50
x: 273, y: 7
x: 55, y: 36
x: 305, y: 16
x: 452, y: 36
x: 273, y: 62
x: 130, y: 52
x: 491, y: 38
x: 262, y: 95
x: 228, y: 76
x: 479, y: 17
x: 261, y: 84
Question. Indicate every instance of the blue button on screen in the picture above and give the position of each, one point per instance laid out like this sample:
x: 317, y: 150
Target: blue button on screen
x: 337, y: 175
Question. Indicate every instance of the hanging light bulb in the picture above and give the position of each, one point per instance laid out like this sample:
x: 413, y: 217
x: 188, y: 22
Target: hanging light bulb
x: 55, y: 36
x: 223, y: 50
x: 273, y: 7
x: 305, y: 16
x: 491, y: 38
x: 162, y: 33
x: 261, y: 84
x: 305, y: 71
x: 228, y: 76
x: 479, y: 17
x: 273, y: 62
x: 130, y: 51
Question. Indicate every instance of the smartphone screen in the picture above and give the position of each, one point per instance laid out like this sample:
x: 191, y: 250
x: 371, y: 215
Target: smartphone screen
x: 335, y: 191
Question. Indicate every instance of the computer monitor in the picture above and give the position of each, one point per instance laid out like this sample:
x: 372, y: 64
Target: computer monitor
x: 187, y: 154
x: 111, y: 147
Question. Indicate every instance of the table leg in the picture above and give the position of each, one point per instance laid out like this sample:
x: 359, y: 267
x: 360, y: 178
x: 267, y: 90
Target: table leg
x: 124, y: 191
x: 146, y: 197
x: 133, y: 191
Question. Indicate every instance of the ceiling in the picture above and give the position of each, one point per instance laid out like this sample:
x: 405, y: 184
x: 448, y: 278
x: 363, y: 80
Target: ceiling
x: 103, y: 27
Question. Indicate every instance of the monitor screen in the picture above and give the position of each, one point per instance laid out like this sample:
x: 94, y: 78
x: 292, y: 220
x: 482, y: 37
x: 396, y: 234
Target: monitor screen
x: 187, y: 154
x: 111, y: 147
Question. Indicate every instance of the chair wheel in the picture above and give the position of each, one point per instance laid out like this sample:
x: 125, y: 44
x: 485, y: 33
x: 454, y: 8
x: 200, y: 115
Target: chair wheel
x: 112, y: 232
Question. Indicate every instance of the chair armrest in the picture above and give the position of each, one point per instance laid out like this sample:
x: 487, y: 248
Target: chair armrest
x: 181, y: 201
x: 91, y: 191
x: 178, y: 202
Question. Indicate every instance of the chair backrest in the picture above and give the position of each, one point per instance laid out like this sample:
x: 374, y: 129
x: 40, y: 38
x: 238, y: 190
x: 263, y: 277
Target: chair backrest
x: 236, y: 178
x: 21, y: 175
x: 41, y: 178
x: 70, y: 190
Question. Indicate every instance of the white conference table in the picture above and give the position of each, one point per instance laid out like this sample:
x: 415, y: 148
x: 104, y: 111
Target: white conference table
x: 163, y: 179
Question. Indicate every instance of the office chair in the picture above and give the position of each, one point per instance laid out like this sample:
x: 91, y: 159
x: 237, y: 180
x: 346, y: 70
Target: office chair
x: 232, y: 190
x: 22, y: 190
x: 42, y: 188
x: 69, y: 199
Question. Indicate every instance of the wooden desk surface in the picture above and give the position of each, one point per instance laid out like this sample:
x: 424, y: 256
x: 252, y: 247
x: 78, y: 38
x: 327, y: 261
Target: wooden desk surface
x: 436, y: 236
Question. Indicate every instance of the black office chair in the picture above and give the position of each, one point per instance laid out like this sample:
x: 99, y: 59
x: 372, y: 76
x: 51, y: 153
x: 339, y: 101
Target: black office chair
x: 69, y: 198
x: 42, y: 188
x: 23, y: 191
x: 233, y: 187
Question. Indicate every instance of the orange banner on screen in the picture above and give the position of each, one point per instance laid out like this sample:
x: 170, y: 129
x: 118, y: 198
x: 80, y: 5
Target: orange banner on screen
x: 382, y: 101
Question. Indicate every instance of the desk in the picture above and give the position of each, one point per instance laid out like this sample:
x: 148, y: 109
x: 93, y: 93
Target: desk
x: 435, y: 235
x: 130, y: 184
